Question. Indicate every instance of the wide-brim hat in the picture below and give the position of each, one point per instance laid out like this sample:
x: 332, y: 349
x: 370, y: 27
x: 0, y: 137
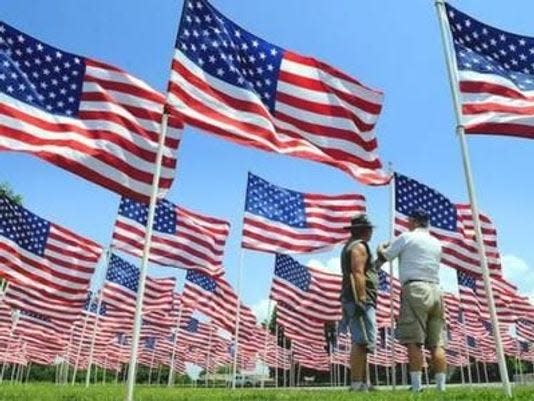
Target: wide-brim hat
x: 359, y: 221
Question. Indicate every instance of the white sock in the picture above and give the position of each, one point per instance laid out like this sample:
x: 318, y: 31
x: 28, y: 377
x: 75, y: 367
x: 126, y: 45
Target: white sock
x: 440, y: 381
x: 415, y: 378
x: 356, y: 385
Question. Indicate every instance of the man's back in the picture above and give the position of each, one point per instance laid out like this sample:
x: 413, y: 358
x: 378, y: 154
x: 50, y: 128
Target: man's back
x: 419, y: 255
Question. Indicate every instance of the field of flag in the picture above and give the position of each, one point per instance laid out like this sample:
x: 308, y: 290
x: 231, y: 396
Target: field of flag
x: 80, y: 307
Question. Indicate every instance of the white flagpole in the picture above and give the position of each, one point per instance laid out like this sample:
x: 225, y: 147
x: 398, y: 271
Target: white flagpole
x: 391, y: 300
x: 173, y: 355
x: 453, y: 80
x: 206, y: 376
x: 93, y: 337
x: 238, y: 318
x: 265, y: 342
x: 80, y: 345
x: 97, y: 318
x: 132, y: 370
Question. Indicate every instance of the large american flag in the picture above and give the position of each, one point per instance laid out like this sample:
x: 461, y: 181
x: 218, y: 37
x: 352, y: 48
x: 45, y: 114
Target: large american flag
x: 181, y: 238
x: 452, y: 224
x: 44, y: 256
x: 310, y: 292
x: 240, y: 87
x: 121, y: 286
x: 282, y: 220
x: 85, y: 116
x: 496, y: 77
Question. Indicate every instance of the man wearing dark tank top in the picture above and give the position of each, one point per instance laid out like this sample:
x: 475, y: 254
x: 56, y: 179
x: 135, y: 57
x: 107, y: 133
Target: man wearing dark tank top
x: 358, y: 298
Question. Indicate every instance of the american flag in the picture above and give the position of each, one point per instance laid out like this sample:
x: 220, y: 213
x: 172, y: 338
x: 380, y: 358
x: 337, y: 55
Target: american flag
x: 383, y: 300
x: 282, y: 220
x: 215, y: 297
x: 82, y: 115
x: 298, y: 326
x: 310, y: 292
x: 448, y: 223
x: 120, y: 288
x: 496, y: 76
x: 43, y: 256
x: 240, y: 87
x: 181, y: 238
x: 525, y: 329
x: 22, y: 297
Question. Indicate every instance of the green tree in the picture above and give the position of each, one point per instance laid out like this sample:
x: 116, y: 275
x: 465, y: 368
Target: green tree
x: 7, y: 191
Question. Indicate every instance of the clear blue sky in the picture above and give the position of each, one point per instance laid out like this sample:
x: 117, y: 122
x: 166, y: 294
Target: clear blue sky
x: 391, y: 45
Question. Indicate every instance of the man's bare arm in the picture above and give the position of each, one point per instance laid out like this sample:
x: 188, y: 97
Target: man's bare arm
x: 358, y: 260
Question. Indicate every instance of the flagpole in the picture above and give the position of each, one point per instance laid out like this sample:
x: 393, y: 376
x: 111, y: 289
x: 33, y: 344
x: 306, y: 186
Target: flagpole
x: 238, y: 318
x: 98, y: 307
x: 453, y: 80
x: 173, y: 355
x: 132, y: 370
x: 391, y: 300
x: 206, y: 376
x: 265, y: 342
x: 82, y: 336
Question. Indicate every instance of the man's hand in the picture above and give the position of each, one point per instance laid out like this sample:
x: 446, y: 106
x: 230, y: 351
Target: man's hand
x: 381, y: 248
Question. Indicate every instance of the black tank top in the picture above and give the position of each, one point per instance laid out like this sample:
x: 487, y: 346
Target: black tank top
x: 371, y: 275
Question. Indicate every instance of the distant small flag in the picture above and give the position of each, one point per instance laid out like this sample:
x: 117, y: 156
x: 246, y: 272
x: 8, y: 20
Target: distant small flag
x: 87, y: 117
x: 286, y: 221
x: 242, y: 88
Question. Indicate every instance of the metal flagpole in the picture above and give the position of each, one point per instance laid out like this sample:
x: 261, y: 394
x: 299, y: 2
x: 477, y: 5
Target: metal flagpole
x: 238, y: 318
x: 391, y: 265
x: 276, y: 334
x: 95, y: 328
x: 470, y: 377
x: 265, y: 342
x: 170, y: 381
x: 206, y: 377
x: 453, y: 80
x: 78, y: 353
x: 151, y: 364
x: 132, y: 370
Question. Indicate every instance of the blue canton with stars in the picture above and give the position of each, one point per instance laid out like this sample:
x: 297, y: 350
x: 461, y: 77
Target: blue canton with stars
x: 383, y: 281
x: 410, y: 195
x: 192, y: 325
x: 34, y: 315
x: 91, y: 305
x: 123, y: 273
x: 164, y: 219
x: 275, y: 203
x: 27, y: 230
x: 38, y: 74
x: 226, y: 51
x: 466, y: 280
x: 150, y: 343
x: 202, y: 280
x: 292, y: 271
x: 471, y: 342
x: 484, y: 49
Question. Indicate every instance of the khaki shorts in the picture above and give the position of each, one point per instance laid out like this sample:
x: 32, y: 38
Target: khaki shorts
x: 421, y: 318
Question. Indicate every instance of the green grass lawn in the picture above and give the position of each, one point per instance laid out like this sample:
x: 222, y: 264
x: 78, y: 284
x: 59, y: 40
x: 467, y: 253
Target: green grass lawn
x: 51, y: 392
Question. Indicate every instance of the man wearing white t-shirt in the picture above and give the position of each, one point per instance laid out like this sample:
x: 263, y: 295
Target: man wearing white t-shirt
x: 421, y: 318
